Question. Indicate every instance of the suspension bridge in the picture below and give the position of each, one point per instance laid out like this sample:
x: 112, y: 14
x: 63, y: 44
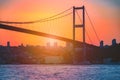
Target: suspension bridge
x: 73, y: 11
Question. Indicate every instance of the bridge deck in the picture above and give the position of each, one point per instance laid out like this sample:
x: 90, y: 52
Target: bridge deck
x: 8, y: 27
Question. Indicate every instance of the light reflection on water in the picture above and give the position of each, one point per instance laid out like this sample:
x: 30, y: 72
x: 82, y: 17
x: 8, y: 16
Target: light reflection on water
x: 59, y: 72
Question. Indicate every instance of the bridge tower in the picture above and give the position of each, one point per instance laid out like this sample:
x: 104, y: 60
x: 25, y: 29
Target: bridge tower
x: 79, y: 26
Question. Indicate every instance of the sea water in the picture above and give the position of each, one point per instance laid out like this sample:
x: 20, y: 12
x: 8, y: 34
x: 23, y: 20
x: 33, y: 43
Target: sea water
x: 59, y: 72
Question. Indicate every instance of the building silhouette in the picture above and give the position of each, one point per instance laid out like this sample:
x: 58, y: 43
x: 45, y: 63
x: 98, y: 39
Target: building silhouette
x: 101, y: 44
x: 8, y: 44
x: 114, y: 42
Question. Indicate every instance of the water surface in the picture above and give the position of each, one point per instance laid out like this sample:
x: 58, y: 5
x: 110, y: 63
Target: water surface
x: 59, y: 72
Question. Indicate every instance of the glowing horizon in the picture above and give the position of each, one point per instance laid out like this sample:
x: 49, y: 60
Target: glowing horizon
x: 103, y: 14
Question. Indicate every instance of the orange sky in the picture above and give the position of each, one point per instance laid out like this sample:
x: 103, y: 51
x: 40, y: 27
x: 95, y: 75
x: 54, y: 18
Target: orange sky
x: 104, y: 15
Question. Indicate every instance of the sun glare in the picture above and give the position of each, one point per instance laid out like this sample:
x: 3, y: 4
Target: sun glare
x: 51, y: 42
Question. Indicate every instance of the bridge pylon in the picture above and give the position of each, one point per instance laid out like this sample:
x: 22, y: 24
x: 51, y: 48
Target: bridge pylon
x: 79, y: 26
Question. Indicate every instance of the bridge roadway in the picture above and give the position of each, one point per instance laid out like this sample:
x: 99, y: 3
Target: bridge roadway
x: 12, y: 28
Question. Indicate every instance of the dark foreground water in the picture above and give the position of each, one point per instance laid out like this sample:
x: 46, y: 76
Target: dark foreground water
x: 59, y: 72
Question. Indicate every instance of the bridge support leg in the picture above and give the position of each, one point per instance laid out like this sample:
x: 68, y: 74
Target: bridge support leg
x: 79, y: 26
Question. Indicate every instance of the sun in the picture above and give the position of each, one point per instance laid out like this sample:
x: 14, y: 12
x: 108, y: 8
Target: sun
x: 51, y: 42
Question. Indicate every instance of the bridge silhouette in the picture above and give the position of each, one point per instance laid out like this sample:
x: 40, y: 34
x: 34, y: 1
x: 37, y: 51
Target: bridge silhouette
x: 88, y: 50
x: 12, y: 28
x: 3, y: 25
x: 7, y: 27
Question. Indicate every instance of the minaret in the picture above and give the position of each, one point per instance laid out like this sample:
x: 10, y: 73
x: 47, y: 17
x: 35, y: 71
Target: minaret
x: 101, y: 44
x: 8, y: 44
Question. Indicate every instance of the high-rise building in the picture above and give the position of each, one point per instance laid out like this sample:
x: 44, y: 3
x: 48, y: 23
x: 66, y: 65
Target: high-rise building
x: 101, y: 44
x: 68, y: 44
x: 8, y: 44
x: 114, y: 42
x: 48, y: 44
x: 55, y: 44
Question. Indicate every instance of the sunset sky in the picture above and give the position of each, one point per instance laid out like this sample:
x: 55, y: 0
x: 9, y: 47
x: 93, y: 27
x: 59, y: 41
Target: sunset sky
x: 105, y: 15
